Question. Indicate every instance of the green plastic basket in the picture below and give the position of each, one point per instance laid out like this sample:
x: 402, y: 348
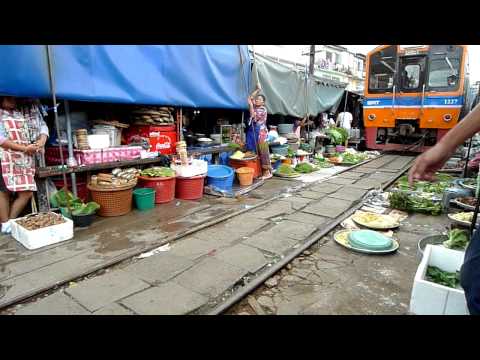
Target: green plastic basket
x: 144, y: 198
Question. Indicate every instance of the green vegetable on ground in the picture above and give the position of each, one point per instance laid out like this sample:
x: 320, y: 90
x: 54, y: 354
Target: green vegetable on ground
x: 336, y: 136
x: 457, y: 239
x: 413, y: 203
x: 437, y: 187
x: 285, y: 169
x: 438, y: 276
x: 304, y: 168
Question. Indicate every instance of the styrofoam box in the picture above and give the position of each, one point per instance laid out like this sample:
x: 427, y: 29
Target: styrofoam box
x: 429, y: 298
x: 35, y: 239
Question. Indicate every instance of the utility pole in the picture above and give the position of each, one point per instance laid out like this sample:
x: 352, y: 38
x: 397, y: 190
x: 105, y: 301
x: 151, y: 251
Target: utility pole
x: 311, y: 69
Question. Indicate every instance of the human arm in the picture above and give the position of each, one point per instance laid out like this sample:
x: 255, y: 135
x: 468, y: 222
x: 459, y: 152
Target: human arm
x: 10, y: 145
x: 429, y: 162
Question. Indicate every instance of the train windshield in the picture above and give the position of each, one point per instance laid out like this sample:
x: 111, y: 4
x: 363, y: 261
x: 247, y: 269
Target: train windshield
x: 382, y: 70
x: 444, y: 74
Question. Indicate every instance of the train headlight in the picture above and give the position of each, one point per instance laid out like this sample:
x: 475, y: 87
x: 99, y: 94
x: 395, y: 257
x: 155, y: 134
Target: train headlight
x: 447, y: 117
x: 372, y: 117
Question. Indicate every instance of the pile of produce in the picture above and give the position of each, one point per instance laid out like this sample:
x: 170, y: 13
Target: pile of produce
x: 463, y: 216
x: 469, y: 200
x: 117, y: 178
x: 286, y: 170
x: 153, y: 115
x: 437, y: 187
x: 301, y: 152
x: 414, y: 203
x: 337, y: 136
x: 305, y: 168
x: 158, y: 172
x: 306, y: 147
x: 238, y: 155
x: 457, y: 239
x: 438, y: 276
x: 275, y: 157
x: 354, y: 159
x: 39, y: 221
x: 234, y: 146
x: 65, y: 199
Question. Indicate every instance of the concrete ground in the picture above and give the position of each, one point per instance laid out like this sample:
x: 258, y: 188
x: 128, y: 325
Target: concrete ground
x: 205, y: 268
x: 330, y: 280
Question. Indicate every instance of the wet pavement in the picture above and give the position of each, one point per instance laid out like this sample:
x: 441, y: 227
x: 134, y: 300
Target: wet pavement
x: 24, y: 273
x: 205, y: 268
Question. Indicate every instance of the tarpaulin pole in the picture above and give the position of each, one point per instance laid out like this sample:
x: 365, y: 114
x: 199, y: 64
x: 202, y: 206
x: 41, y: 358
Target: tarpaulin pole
x: 71, y: 158
x: 51, y: 76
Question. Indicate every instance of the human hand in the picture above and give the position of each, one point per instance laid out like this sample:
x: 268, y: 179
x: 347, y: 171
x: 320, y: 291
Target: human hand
x: 428, y: 163
x: 259, y: 86
x: 31, y: 149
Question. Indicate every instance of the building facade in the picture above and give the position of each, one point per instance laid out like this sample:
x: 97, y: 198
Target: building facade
x: 332, y: 62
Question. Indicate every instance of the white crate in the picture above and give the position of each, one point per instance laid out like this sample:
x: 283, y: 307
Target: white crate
x: 429, y: 298
x: 34, y: 239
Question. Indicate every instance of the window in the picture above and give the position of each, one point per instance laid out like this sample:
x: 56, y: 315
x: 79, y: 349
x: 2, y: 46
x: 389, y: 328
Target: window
x: 411, y: 77
x: 329, y: 56
x: 442, y: 75
x: 382, y: 70
x: 444, y: 67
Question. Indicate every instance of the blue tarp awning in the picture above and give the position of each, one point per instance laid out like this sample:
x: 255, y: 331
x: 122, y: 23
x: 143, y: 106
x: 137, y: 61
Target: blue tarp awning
x: 202, y: 76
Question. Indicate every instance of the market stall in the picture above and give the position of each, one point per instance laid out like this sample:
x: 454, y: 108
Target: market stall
x: 143, y: 121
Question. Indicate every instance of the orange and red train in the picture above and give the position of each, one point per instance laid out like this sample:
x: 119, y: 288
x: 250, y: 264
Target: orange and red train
x: 414, y: 95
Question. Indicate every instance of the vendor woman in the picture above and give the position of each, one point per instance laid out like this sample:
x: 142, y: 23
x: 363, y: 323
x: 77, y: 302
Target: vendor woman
x: 23, y: 133
x: 257, y: 132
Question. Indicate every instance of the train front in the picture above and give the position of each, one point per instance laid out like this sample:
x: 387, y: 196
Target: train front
x: 413, y: 95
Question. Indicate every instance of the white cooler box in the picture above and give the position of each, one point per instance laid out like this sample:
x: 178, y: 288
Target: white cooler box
x: 34, y: 239
x: 429, y: 298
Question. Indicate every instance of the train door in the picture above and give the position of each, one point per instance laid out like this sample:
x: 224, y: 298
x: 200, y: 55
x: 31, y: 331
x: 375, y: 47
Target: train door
x: 408, y: 106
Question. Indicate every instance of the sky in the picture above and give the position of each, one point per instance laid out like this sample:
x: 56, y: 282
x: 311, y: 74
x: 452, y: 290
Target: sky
x: 474, y: 51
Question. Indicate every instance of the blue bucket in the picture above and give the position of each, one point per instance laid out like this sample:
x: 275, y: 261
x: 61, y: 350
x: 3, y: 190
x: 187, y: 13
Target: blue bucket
x: 220, y: 176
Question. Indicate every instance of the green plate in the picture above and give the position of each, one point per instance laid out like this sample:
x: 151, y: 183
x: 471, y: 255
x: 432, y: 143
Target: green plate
x: 369, y: 240
x: 341, y: 238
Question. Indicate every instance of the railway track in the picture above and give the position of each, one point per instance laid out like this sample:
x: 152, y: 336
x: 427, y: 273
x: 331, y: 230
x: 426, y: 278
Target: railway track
x: 393, y: 165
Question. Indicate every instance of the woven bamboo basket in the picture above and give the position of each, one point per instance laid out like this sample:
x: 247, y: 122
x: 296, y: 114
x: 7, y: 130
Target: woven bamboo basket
x: 113, y: 201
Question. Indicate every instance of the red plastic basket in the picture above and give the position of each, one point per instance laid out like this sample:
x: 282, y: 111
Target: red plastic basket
x: 164, y: 187
x: 254, y: 164
x: 189, y: 188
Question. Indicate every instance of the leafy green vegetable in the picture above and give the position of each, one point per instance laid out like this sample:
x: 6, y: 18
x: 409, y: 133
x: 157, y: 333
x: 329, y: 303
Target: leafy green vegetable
x: 438, y: 276
x: 158, y: 172
x: 344, y: 133
x: 65, y: 198
x: 304, y: 168
x: 413, y: 203
x: 234, y: 146
x: 457, y: 239
x: 85, y: 209
x: 437, y: 187
x: 290, y: 153
x: 306, y: 147
x: 336, y: 137
x: 353, y: 158
x: 285, y: 169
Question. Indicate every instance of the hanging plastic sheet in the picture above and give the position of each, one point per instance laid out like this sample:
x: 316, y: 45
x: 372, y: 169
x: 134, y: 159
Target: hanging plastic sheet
x: 284, y: 88
x: 207, y: 76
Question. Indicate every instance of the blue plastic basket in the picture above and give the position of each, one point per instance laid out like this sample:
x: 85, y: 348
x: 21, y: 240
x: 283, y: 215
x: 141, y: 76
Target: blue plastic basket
x: 220, y: 177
